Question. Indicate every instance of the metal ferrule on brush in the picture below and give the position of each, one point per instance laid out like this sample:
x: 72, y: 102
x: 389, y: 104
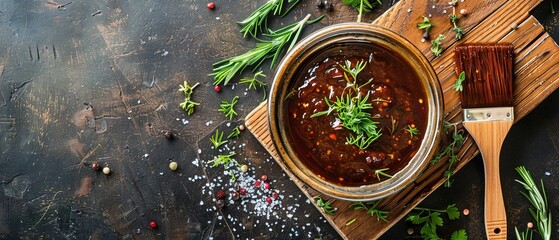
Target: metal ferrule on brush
x: 488, y: 114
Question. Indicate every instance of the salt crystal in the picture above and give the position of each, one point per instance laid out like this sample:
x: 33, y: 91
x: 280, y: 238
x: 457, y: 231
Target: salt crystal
x: 201, y: 203
x: 547, y: 173
x: 146, y: 155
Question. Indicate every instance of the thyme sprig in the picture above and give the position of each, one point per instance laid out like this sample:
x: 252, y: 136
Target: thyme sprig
x: 352, y: 110
x: 325, y: 205
x: 188, y: 105
x: 450, y: 150
x: 257, y: 20
x: 431, y: 219
x: 253, y: 82
x: 426, y: 24
x: 540, y: 209
x: 436, y: 45
x: 228, y: 108
x: 217, y: 139
x: 225, y: 70
x: 459, y: 32
x: 412, y: 130
x: 371, y: 208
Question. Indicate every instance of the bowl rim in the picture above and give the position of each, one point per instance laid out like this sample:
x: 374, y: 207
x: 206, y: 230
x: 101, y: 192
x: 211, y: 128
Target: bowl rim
x: 358, y: 31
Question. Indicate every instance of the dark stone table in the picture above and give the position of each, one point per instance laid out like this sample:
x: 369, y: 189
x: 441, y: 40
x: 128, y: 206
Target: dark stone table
x: 97, y: 81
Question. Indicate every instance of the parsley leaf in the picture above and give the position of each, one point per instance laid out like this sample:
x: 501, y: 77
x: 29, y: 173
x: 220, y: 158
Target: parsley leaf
x: 459, y: 235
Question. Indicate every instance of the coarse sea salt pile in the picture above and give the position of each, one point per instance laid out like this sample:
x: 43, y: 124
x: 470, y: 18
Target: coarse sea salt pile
x: 265, y: 207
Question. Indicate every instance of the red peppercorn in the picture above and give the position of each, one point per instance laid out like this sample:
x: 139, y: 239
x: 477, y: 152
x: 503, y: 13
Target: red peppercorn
x: 236, y: 195
x: 211, y: 5
x: 267, y: 186
x: 268, y: 200
x: 242, y: 191
x: 152, y: 224
x: 220, y: 194
x: 95, y: 166
x: 264, y: 178
x: 275, y: 195
x: 217, y: 88
x: 257, y: 183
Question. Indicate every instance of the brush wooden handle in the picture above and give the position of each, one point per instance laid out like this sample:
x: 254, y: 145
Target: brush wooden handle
x: 489, y: 137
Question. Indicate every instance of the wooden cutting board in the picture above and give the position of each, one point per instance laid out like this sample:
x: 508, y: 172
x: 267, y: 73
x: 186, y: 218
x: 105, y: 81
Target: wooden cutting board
x: 536, y: 73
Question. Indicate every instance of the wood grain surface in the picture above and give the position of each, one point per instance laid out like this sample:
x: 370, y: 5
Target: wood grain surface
x: 490, y: 21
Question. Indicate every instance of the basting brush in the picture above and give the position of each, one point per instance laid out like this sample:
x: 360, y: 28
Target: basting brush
x: 487, y: 103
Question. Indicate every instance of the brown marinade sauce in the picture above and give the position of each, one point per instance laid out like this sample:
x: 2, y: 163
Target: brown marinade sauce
x: 321, y: 143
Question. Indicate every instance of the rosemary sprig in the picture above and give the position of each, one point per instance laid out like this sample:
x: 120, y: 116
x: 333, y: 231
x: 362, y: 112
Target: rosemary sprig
x: 352, y: 110
x: 540, y: 209
x: 217, y: 139
x: 436, y: 48
x: 226, y: 161
x: 253, y: 82
x: 458, y: 84
x: 235, y: 133
x: 325, y: 205
x: 365, y: 5
x: 228, y: 108
x: 412, y: 130
x: 450, y: 150
x: 225, y: 70
x: 257, y: 20
x: 371, y: 208
x: 188, y: 105
x: 381, y: 172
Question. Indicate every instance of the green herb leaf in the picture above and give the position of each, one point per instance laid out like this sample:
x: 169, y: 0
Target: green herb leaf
x: 412, y: 130
x: 225, y: 70
x: 540, y: 208
x: 325, y: 205
x: 452, y: 212
x: 217, y: 139
x: 188, y: 105
x: 436, y: 48
x: 367, y: 5
x: 256, y: 21
x: 459, y: 235
x: 371, y: 210
x: 235, y: 133
x: 381, y: 172
x: 426, y: 24
x: 458, y: 84
x: 228, y: 108
x: 253, y: 82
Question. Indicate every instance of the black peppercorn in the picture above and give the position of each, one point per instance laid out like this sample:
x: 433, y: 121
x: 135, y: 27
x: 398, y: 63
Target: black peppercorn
x: 426, y: 36
x: 169, y: 135
x: 328, y: 6
x: 319, y: 3
x: 219, y: 204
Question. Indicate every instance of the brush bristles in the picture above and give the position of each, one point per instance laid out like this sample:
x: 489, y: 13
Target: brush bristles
x: 489, y: 75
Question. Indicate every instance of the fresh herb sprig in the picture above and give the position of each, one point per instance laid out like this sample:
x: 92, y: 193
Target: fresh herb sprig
x: 412, y: 130
x: 365, y: 5
x: 436, y: 45
x: 188, y: 105
x: 217, y: 139
x: 225, y: 70
x: 352, y: 110
x: 257, y: 20
x: 459, y: 32
x: 431, y: 219
x: 450, y: 150
x: 371, y: 208
x: 458, y: 84
x: 325, y: 205
x: 226, y: 161
x: 426, y: 25
x: 540, y: 209
x: 382, y: 172
x: 253, y: 82
x: 235, y: 133
x: 228, y: 108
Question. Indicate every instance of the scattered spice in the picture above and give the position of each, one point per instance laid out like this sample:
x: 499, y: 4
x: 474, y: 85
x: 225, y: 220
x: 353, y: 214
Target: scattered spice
x: 244, y: 168
x: 466, y: 212
x: 106, y: 170
x: 530, y: 225
x: 211, y: 5
x: 219, y: 204
x: 153, y: 224
x: 264, y: 177
x: 241, y: 127
x: 168, y: 135
x: 463, y: 12
x: 269, y: 200
x: 242, y: 191
x: 267, y: 186
x: 275, y: 195
x: 217, y: 88
x: 220, y: 194
x: 95, y: 166
x: 257, y: 183
x: 173, y: 165
x: 410, y: 231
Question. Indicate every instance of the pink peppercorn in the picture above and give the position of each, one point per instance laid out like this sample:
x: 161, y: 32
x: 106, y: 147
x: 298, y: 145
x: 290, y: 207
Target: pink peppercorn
x: 275, y: 195
x: 211, y: 5
x: 267, y: 186
x: 152, y: 224
x: 268, y: 200
x: 217, y: 88
x: 257, y: 183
